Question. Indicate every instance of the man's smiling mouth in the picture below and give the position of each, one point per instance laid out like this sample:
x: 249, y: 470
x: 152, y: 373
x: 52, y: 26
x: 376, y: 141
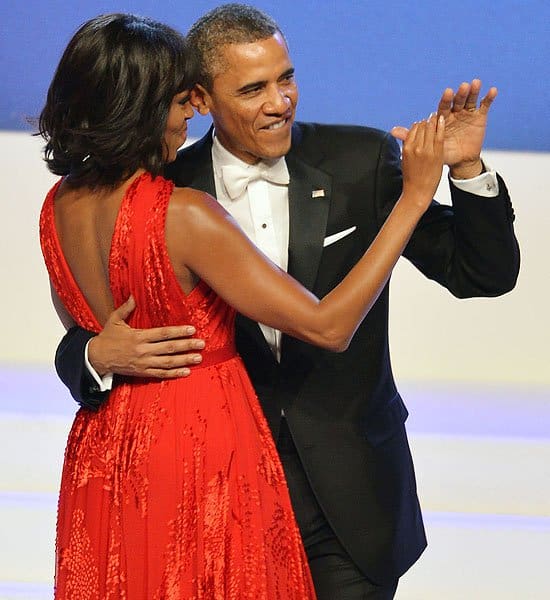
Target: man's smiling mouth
x: 275, y: 126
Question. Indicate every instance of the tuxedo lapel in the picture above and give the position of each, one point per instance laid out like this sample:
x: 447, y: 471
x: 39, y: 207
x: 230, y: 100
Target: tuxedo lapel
x: 309, y: 201
x: 193, y: 166
x: 202, y: 173
x: 309, y: 195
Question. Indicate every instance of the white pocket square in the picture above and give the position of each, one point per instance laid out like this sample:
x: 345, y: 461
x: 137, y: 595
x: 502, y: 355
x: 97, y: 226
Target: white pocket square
x: 330, y: 239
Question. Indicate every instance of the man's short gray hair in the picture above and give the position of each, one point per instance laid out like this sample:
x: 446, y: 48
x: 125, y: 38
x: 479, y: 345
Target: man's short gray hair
x: 226, y: 24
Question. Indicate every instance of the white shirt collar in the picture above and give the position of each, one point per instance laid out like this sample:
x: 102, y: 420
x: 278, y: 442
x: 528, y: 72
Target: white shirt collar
x: 221, y: 157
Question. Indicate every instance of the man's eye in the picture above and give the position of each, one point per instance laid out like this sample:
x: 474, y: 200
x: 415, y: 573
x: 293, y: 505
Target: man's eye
x: 288, y: 78
x: 184, y: 100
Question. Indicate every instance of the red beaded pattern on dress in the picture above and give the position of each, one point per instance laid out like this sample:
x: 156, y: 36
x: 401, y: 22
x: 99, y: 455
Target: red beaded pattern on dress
x: 173, y: 490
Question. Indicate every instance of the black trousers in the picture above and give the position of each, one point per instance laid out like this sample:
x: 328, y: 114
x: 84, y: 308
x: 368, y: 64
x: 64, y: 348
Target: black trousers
x: 335, y: 575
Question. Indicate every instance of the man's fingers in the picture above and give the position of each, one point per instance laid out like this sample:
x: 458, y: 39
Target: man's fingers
x: 167, y: 373
x: 444, y: 106
x: 173, y: 347
x: 160, y: 334
x: 168, y: 362
x: 461, y: 96
x: 123, y: 311
x: 471, y: 100
x: 163, y: 367
x: 169, y: 355
x: 485, y: 104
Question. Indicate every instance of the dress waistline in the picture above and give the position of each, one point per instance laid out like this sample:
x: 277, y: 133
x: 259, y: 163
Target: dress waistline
x: 215, y: 357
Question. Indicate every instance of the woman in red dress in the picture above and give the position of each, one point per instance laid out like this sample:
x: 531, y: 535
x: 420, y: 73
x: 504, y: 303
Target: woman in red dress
x: 174, y: 489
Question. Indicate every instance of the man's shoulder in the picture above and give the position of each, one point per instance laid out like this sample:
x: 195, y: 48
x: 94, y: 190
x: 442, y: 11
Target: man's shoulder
x: 193, y: 158
x: 309, y: 130
x: 335, y: 138
x: 196, y: 148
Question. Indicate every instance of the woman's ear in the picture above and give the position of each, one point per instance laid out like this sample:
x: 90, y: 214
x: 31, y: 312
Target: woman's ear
x: 200, y: 99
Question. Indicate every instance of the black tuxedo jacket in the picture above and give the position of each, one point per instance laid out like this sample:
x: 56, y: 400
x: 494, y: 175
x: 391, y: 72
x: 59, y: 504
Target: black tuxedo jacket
x: 344, y: 411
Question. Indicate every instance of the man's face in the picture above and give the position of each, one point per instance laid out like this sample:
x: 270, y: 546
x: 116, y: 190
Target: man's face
x: 253, y: 99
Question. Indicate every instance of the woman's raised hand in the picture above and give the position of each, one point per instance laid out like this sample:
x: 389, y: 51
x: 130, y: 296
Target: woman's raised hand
x: 422, y: 160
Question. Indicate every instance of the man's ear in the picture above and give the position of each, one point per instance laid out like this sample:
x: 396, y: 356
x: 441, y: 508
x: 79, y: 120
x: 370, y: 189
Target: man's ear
x: 200, y: 99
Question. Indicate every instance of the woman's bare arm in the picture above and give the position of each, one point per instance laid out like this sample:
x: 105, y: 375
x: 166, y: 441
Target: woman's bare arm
x: 216, y: 250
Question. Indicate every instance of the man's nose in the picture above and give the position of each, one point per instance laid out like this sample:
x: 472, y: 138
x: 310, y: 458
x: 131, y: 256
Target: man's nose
x: 277, y: 102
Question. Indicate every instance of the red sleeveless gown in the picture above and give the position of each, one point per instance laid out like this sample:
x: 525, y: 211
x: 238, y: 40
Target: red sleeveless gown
x: 173, y: 489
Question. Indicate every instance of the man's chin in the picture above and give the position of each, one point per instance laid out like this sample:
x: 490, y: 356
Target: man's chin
x: 274, y: 152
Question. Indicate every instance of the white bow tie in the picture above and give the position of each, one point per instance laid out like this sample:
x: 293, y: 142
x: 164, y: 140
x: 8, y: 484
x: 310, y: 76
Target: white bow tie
x: 236, y: 177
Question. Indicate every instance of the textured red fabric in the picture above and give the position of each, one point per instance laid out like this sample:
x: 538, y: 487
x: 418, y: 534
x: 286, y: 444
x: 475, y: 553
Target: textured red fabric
x: 174, y: 489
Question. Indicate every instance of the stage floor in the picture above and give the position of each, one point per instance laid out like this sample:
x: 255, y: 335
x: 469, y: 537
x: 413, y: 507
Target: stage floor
x: 482, y: 456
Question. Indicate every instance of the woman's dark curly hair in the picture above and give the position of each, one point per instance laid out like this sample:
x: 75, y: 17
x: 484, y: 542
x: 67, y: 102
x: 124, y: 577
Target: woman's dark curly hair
x: 108, y: 103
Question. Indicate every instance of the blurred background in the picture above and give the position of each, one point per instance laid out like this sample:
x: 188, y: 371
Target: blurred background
x: 474, y: 373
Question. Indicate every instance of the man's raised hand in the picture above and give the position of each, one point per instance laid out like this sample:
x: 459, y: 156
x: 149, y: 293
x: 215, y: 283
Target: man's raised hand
x: 465, y: 126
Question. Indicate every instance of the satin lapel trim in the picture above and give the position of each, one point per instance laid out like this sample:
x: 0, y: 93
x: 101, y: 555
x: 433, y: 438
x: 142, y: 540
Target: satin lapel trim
x: 308, y: 216
x: 200, y: 164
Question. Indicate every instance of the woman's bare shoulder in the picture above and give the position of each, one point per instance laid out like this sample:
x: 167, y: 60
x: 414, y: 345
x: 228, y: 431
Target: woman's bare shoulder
x: 192, y: 204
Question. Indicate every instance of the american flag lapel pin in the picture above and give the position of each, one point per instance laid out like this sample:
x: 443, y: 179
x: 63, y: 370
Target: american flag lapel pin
x: 318, y: 194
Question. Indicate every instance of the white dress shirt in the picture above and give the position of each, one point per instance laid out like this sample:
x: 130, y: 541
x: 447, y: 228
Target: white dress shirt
x: 262, y: 213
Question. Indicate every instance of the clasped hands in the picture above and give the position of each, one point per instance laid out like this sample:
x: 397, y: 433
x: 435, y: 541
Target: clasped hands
x: 465, y: 125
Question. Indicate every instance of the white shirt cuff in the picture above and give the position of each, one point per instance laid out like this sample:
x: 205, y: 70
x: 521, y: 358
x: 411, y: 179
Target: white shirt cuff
x: 485, y: 185
x: 105, y: 383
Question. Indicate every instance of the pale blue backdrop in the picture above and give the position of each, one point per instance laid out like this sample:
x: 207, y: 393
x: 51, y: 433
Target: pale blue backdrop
x: 368, y: 62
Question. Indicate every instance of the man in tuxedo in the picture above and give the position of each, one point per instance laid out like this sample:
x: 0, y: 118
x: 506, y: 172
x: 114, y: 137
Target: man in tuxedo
x: 313, y: 197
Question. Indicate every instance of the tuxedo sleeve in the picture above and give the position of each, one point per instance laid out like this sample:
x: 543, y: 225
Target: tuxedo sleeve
x: 469, y: 247
x: 71, y: 368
